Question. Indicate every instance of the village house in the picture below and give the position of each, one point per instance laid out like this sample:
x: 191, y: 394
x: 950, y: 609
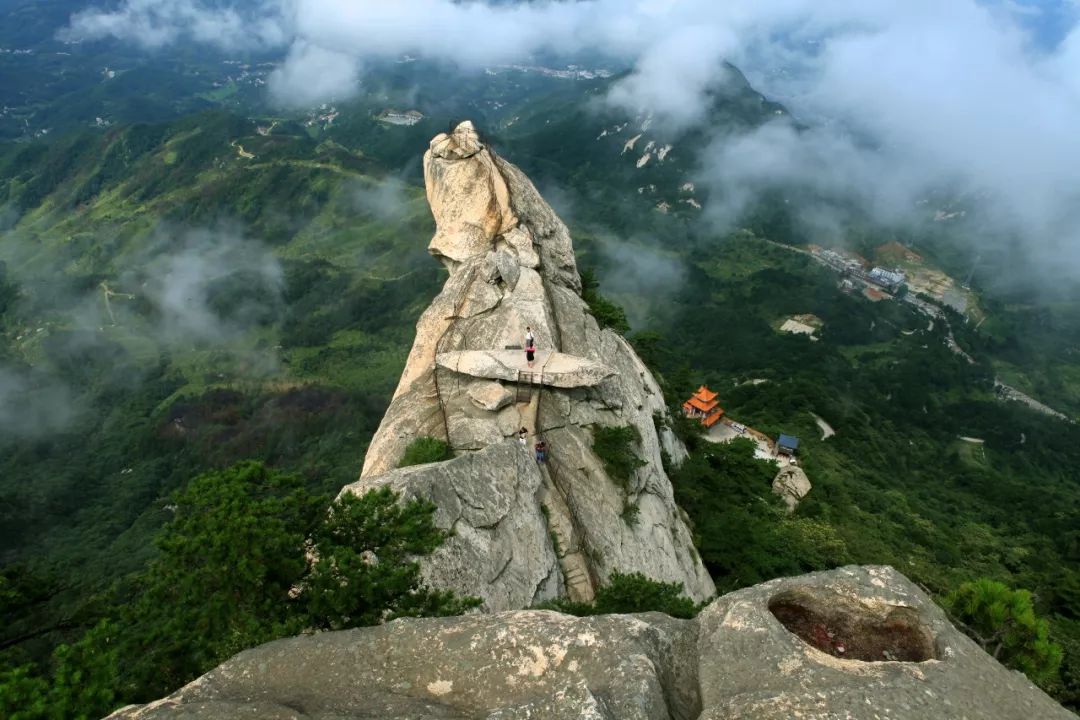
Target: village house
x: 889, y: 279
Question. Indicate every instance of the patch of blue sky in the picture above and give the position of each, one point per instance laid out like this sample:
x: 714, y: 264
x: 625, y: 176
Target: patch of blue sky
x: 1048, y: 21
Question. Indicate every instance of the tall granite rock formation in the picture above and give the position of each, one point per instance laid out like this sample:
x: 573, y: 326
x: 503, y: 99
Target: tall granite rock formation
x: 859, y: 642
x: 855, y: 642
x: 525, y: 532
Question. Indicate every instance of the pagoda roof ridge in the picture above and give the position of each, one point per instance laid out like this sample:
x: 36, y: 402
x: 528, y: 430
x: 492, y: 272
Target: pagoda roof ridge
x: 705, y: 394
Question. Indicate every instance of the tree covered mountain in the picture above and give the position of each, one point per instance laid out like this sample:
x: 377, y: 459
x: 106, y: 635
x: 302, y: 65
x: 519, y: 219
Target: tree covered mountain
x: 179, y: 296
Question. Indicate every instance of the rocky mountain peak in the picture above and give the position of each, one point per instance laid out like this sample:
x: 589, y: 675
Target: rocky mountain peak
x: 467, y: 193
x: 524, y: 530
x: 462, y: 143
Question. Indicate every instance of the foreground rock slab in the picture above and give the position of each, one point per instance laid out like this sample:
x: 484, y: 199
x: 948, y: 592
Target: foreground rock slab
x: 738, y: 660
x: 855, y: 642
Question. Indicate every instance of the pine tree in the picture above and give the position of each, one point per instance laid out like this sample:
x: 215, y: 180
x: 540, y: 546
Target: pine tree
x: 1003, y: 621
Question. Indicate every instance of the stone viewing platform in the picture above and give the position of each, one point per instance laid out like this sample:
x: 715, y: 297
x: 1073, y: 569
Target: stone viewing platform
x: 554, y: 369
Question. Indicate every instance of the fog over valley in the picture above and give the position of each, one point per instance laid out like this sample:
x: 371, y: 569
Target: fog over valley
x: 903, y: 99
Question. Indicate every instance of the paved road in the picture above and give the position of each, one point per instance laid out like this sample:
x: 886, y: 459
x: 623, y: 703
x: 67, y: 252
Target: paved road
x: 1004, y: 392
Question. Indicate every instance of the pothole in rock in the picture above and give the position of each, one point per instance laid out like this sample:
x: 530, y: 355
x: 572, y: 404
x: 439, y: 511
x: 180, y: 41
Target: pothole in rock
x: 844, y: 628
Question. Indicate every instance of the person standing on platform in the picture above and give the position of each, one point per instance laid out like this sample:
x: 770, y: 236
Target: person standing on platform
x: 530, y: 346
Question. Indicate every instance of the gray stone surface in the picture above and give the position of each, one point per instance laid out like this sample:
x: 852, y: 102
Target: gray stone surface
x: 735, y: 661
x: 500, y: 549
x: 549, y: 368
x: 490, y: 396
x: 520, y: 242
x: 506, y: 263
x: 752, y: 668
x: 527, y: 664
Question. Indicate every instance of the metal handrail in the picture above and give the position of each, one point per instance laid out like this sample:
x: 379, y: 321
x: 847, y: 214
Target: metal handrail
x: 539, y: 400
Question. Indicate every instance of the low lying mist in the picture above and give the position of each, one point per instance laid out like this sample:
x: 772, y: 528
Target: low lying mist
x: 185, y: 290
x: 903, y: 98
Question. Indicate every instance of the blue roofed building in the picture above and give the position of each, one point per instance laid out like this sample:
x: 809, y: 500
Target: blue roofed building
x: 787, y: 445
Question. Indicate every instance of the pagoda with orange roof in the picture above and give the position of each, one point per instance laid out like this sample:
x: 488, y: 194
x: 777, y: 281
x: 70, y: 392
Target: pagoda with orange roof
x: 704, y: 405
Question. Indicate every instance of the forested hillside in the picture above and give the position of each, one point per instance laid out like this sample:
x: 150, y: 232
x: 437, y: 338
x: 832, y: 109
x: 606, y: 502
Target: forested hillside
x: 179, y: 297
x: 213, y: 233
x: 170, y: 307
x: 896, y: 483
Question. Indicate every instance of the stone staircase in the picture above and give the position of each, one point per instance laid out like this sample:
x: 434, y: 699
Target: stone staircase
x: 527, y: 383
x: 580, y: 586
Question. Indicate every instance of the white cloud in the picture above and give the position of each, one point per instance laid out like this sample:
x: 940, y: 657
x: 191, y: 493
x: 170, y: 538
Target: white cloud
x: 312, y: 74
x: 32, y: 404
x: 185, y: 272
x: 949, y: 94
x: 650, y: 88
x: 640, y: 275
x: 156, y: 23
x: 937, y: 92
x: 386, y: 200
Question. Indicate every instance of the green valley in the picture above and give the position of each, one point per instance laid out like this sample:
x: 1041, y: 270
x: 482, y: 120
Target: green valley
x: 227, y: 292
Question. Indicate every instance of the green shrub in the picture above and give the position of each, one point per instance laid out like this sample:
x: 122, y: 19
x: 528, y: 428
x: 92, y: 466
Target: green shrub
x: 1003, y: 621
x: 633, y: 593
x: 347, y: 589
x: 425, y: 450
x: 226, y: 578
x: 689, y: 430
x: 615, y: 448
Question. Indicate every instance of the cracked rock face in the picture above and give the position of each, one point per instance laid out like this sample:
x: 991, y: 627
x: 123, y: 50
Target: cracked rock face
x: 467, y: 381
x: 499, y: 548
x: 737, y: 660
x: 490, y: 396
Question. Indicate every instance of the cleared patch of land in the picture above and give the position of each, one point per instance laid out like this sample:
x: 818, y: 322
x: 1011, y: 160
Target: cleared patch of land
x: 725, y: 433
